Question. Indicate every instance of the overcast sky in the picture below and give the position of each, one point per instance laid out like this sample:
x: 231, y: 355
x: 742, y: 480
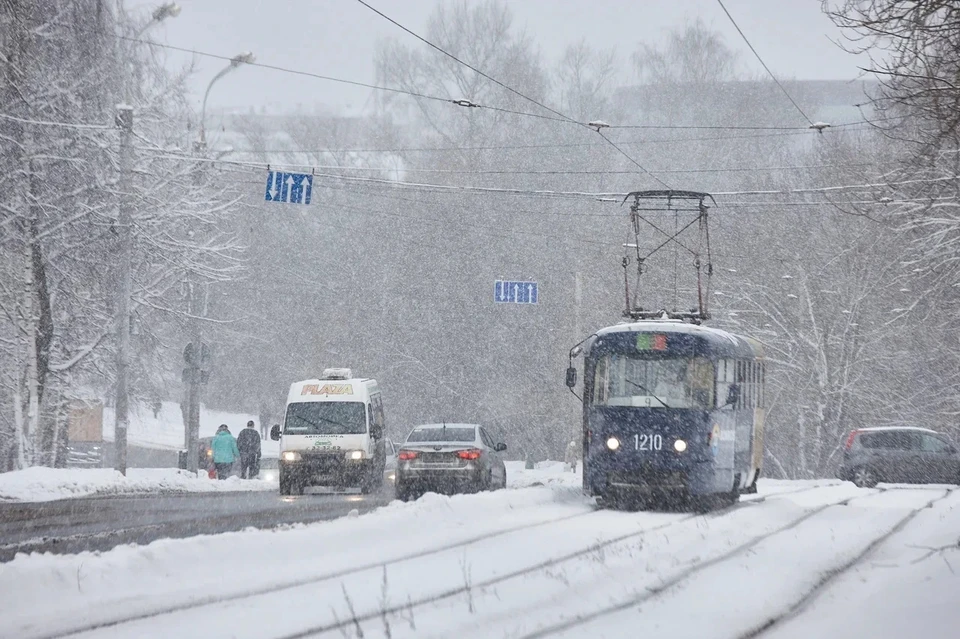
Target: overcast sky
x: 338, y: 38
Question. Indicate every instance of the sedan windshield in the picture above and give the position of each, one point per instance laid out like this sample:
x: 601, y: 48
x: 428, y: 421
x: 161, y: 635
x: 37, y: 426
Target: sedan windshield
x: 325, y: 418
x: 440, y: 434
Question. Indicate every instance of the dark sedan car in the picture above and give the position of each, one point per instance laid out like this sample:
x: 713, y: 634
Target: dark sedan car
x: 899, y: 454
x: 449, y: 458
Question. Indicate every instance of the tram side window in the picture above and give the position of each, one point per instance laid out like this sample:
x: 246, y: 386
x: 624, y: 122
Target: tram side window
x: 725, y: 377
x: 602, y: 382
x: 741, y: 384
x: 749, y: 377
x: 760, y: 382
x: 747, y: 385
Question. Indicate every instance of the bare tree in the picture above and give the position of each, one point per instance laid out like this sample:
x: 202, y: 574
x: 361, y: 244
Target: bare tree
x: 59, y: 234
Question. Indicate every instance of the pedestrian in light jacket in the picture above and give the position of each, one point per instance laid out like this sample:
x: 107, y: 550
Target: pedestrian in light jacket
x: 248, y: 441
x: 225, y: 451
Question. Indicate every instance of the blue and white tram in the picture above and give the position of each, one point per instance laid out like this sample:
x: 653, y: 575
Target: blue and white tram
x: 672, y: 412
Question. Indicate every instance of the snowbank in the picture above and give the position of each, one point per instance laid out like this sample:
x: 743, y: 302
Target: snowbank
x: 42, y: 595
x: 48, y: 484
x: 549, y: 473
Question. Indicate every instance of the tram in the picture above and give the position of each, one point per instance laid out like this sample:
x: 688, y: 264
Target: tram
x: 673, y: 411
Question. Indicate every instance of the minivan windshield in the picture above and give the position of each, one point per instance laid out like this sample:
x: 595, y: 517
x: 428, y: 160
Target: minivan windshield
x: 325, y: 418
x: 440, y: 434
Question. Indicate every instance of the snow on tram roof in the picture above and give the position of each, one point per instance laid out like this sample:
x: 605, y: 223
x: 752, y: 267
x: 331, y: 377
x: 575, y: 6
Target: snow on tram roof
x: 727, y: 342
x: 876, y: 429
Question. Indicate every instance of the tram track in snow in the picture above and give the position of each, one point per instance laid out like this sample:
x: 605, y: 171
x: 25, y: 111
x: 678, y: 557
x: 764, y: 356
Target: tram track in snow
x: 304, y: 581
x: 450, y: 593
x: 652, y: 593
x: 830, y: 576
x: 213, y: 600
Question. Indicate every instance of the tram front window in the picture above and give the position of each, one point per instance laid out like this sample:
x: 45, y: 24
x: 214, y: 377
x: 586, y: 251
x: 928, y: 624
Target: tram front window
x: 672, y: 383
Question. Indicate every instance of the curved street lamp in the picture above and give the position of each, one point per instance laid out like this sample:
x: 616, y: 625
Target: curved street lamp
x: 241, y: 58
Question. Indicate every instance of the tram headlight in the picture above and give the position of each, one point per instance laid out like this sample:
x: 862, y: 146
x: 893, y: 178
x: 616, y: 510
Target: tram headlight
x: 613, y: 443
x: 679, y: 445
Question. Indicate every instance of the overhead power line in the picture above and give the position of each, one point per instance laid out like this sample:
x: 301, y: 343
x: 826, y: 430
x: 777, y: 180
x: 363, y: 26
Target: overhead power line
x: 557, y: 117
x: 544, y: 193
x: 746, y: 169
x: 764, y: 64
x: 842, y: 187
x: 66, y: 125
x: 468, y: 65
x: 511, y: 89
x: 569, y: 145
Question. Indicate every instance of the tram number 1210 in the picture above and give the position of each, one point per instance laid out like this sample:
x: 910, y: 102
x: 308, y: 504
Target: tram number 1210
x: 648, y: 442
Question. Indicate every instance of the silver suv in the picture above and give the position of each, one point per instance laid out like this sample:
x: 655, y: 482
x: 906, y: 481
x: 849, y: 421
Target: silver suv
x: 899, y: 454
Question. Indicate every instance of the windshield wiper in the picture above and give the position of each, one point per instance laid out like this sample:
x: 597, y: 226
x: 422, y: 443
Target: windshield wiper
x: 646, y: 390
x: 316, y: 425
x: 333, y: 421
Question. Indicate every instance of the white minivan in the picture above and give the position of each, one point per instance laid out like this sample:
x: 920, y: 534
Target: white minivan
x: 333, y: 434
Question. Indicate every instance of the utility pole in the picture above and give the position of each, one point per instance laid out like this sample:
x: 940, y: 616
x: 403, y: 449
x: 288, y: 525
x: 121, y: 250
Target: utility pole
x: 124, y: 121
x: 196, y: 356
x: 125, y: 227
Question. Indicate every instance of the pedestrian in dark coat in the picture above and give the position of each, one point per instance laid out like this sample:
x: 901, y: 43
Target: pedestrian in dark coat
x: 248, y: 441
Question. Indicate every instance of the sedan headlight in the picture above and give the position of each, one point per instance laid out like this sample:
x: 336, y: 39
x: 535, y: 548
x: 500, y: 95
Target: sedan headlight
x: 355, y: 454
x: 290, y: 456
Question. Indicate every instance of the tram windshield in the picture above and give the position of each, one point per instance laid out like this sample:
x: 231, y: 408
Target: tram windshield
x: 622, y: 380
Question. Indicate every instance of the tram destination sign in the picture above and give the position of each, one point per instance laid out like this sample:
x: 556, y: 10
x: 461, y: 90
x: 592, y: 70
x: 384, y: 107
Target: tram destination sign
x: 651, y: 342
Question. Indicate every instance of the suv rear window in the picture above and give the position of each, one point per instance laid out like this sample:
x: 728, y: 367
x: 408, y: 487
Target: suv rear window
x: 895, y: 440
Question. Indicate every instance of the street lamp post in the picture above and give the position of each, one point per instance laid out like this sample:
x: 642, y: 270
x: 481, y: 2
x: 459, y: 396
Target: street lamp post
x: 124, y: 121
x: 196, y: 354
x: 241, y: 58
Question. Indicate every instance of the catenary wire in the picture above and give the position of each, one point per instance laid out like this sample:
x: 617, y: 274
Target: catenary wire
x: 511, y: 89
x: 764, y: 64
x: 260, y: 166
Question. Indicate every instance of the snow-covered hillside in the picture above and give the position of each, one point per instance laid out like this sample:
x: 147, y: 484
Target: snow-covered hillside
x: 164, y: 429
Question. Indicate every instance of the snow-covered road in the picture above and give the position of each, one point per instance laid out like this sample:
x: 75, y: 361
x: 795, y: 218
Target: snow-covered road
x: 801, y: 559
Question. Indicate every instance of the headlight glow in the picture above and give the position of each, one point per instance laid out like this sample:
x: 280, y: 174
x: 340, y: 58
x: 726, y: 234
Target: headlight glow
x: 679, y: 445
x: 613, y: 443
x: 356, y: 454
x: 291, y: 455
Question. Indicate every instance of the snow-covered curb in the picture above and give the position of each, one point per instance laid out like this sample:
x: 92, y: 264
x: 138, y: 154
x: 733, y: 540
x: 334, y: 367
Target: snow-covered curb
x: 48, y: 484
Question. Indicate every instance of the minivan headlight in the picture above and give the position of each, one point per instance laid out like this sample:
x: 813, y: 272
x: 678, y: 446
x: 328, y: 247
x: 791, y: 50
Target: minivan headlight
x: 290, y: 456
x: 355, y: 454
